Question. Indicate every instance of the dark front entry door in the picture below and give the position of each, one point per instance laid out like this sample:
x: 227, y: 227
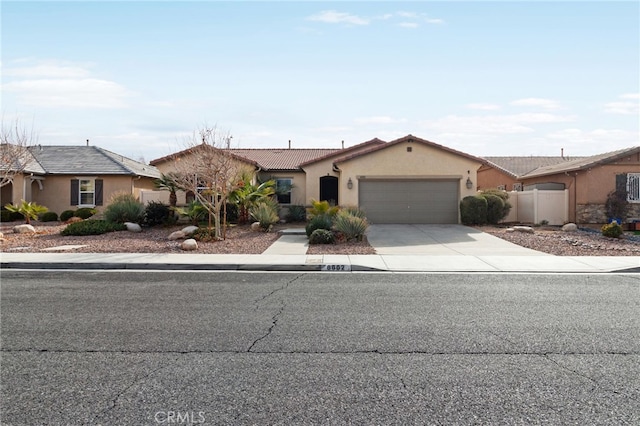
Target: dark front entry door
x: 329, y: 189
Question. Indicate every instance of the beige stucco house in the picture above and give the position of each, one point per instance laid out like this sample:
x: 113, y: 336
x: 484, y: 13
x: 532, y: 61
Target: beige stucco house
x: 68, y: 177
x: 408, y: 180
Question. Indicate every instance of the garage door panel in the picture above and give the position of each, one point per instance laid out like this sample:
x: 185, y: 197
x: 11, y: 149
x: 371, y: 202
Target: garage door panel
x: 409, y: 201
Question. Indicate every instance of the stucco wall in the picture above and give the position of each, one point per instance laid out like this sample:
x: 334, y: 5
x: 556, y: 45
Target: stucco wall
x: 395, y: 161
x: 314, y: 172
x: 489, y: 177
x: 298, y: 180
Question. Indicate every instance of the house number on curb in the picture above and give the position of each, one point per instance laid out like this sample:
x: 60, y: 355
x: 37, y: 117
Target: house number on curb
x: 335, y: 268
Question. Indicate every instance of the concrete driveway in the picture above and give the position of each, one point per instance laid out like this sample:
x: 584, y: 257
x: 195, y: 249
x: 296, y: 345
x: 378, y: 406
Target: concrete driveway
x: 441, y: 240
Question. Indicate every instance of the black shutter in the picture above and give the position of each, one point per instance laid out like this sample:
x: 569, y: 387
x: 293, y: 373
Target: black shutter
x: 99, y: 192
x: 621, y: 184
x: 75, y: 191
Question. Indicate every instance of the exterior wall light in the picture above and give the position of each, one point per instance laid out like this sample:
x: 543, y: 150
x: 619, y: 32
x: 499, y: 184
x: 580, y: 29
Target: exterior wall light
x: 350, y: 184
x: 469, y: 183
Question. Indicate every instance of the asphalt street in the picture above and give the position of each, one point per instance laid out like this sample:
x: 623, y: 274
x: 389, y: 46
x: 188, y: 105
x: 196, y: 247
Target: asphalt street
x: 162, y: 348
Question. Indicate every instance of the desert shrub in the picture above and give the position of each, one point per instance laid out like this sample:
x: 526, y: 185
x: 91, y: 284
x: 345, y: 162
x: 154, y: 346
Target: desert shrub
x: 232, y: 213
x: 124, y: 208
x: 84, y: 212
x: 318, y: 222
x: 195, y: 211
x: 157, y: 213
x: 204, y: 234
x: 354, y: 211
x: 66, y: 215
x: 92, y: 227
x: 264, y: 213
x: 322, y: 236
x: 49, y: 217
x: 351, y: 227
x: 296, y: 213
x: 9, y: 216
x: 473, y: 210
x: 322, y: 208
x: 495, y: 208
x: 612, y: 230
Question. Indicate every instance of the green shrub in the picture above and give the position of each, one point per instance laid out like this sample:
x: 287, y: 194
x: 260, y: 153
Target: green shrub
x: 612, y: 230
x: 495, y: 208
x: 473, y: 210
x: 195, y: 211
x: 351, y: 227
x: 322, y: 208
x: 124, y: 208
x: 296, y: 213
x: 232, y: 213
x: 84, y: 212
x: 8, y: 216
x: 264, y: 213
x: 66, y: 215
x: 29, y: 210
x: 92, y: 227
x: 49, y: 217
x: 322, y: 236
x: 318, y: 222
x: 354, y: 211
x: 157, y: 213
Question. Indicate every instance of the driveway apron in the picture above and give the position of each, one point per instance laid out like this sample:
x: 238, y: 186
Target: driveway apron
x: 441, y: 240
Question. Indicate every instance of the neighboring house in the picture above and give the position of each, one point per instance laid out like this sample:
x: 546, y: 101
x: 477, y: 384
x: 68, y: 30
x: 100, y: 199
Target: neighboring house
x: 587, y: 179
x: 408, y: 180
x: 68, y: 177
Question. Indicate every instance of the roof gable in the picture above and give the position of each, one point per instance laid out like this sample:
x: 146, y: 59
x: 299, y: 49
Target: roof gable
x: 408, y: 138
x: 516, y: 166
x: 283, y: 159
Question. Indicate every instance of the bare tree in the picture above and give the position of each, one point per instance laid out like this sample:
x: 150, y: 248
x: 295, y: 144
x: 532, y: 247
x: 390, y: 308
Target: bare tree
x: 15, y: 140
x: 210, y: 171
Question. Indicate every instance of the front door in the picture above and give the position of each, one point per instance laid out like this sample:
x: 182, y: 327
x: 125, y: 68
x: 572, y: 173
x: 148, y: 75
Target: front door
x: 329, y: 189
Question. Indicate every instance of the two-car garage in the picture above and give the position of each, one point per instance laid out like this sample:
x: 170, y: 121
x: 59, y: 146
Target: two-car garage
x: 409, y: 200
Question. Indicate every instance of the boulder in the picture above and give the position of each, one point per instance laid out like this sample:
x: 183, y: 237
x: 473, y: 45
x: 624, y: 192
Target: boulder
x: 24, y: 229
x: 133, y: 227
x: 569, y: 227
x: 177, y: 235
x: 526, y: 229
x: 255, y: 226
x: 188, y: 230
x: 189, y: 245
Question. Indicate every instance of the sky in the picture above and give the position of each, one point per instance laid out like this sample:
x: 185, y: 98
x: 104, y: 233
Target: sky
x: 485, y: 78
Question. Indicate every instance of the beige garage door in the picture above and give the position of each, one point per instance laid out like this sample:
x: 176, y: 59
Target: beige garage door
x: 409, y: 201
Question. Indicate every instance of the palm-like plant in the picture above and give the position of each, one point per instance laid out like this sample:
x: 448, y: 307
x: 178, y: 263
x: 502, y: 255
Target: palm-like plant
x: 167, y: 182
x: 27, y: 209
x: 248, y: 194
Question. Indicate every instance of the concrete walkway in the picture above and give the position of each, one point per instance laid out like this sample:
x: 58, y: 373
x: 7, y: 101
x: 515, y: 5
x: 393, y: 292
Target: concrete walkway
x: 404, y: 248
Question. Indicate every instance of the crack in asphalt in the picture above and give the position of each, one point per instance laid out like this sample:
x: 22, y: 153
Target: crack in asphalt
x: 113, y: 402
x: 276, y: 316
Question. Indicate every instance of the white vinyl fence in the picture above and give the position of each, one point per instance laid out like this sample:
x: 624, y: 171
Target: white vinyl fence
x: 539, y: 205
x: 160, y: 196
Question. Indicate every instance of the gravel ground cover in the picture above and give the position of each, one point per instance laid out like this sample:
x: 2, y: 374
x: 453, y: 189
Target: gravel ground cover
x: 241, y: 240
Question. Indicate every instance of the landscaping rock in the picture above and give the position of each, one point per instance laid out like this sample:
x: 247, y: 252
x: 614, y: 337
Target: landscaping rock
x: 133, y: 227
x: 189, y: 245
x: 24, y: 229
x: 188, y: 230
x: 526, y: 229
x: 255, y: 226
x: 570, y: 227
x: 178, y: 235
x: 74, y: 219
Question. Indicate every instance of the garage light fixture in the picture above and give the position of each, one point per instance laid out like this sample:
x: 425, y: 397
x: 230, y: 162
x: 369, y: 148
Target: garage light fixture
x: 469, y: 183
x: 350, y: 184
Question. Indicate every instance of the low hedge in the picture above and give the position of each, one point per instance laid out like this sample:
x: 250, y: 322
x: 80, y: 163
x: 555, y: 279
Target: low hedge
x: 92, y: 227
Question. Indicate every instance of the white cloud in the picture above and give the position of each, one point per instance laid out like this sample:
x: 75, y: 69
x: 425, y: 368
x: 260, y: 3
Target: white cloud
x: 493, y: 124
x: 537, y: 102
x: 596, y: 139
x: 379, y: 120
x: 408, y: 25
x: 483, y: 106
x: 624, y: 107
x: 79, y: 93
x: 54, y: 84
x: 335, y: 17
x: 434, y: 21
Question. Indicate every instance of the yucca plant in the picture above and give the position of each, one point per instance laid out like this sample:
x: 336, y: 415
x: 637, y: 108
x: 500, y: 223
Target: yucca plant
x: 124, y: 207
x: 264, y: 213
x: 354, y: 211
x: 27, y: 209
x: 350, y: 226
x: 320, y: 208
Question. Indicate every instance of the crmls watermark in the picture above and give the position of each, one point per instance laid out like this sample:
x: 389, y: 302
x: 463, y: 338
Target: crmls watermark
x: 179, y: 417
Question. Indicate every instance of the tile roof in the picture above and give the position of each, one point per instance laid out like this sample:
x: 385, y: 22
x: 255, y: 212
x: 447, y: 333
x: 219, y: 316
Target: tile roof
x: 516, y: 166
x: 93, y: 160
x: 283, y: 159
x: 583, y: 163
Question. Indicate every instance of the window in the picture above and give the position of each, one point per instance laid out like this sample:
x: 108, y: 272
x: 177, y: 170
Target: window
x: 633, y: 187
x: 517, y: 187
x: 502, y: 187
x: 86, y: 192
x: 283, y: 190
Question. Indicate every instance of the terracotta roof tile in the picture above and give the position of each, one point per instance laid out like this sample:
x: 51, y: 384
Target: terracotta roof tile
x: 516, y: 166
x: 283, y: 159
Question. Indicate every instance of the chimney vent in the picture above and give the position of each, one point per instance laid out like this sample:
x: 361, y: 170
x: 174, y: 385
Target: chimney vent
x: 562, y: 153
x: 289, y: 143
x: 87, y: 142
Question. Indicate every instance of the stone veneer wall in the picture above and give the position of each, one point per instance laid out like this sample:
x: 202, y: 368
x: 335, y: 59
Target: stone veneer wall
x: 596, y: 213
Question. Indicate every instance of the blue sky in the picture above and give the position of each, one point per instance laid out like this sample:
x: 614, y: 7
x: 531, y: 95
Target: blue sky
x: 486, y: 78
